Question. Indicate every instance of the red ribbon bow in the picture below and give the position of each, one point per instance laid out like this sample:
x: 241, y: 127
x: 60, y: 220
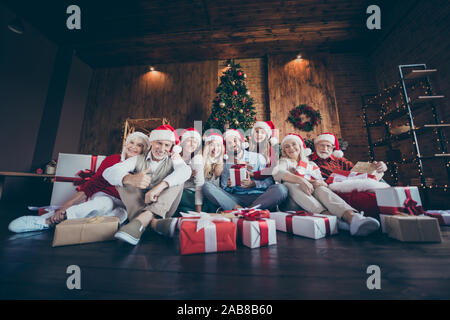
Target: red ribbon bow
x: 238, y: 166
x: 305, y: 213
x: 411, y: 206
x: 258, y: 216
x: 84, y: 175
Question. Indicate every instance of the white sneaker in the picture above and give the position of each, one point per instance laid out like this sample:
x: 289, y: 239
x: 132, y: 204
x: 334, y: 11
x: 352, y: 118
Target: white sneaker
x: 28, y: 223
x: 363, y: 226
x: 118, y: 212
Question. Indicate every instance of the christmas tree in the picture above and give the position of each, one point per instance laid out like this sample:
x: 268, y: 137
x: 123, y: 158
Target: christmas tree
x: 233, y: 106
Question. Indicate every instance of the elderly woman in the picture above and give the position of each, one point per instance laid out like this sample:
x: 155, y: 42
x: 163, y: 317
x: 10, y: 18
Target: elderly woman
x: 307, y: 189
x: 102, y: 198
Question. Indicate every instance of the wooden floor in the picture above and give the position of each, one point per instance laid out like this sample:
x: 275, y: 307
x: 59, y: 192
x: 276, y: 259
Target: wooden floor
x: 296, y: 268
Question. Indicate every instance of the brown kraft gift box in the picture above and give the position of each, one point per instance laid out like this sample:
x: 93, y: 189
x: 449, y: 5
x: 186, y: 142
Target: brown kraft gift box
x: 413, y: 228
x: 85, y: 230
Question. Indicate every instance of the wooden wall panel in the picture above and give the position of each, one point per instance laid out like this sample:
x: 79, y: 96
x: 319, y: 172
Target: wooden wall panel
x: 180, y: 92
x: 292, y: 82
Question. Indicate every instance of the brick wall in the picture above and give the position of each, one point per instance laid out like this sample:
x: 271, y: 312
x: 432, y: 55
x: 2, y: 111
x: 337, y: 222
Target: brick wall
x: 353, y: 77
x: 256, y: 70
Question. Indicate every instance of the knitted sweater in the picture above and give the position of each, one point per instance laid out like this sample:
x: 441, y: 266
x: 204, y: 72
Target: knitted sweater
x: 97, y: 183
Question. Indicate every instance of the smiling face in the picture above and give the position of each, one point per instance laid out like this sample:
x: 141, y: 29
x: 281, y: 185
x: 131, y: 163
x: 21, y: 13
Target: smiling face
x: 291, y: 149
x: 260, y: 135
x: 189, y: 145
x: 134, y: 147
x: 233, y: 145
x: 215, y: 149
x: 324, y: 149
x: 160, y: 149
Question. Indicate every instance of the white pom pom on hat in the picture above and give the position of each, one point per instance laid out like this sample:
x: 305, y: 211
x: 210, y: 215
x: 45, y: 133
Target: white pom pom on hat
x: 331, y: 138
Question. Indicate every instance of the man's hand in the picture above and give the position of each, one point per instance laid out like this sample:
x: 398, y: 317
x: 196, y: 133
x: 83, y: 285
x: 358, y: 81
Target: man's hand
x: 153, y: 194
x: 306, y: 186
x: 139, y: 180
x: 248, y: 183
x: 380, y: 166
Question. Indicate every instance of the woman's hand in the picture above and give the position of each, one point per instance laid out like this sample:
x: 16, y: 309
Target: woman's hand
x: 306, y: 186
x: 58, y: 216
x: 319, y: 183
x: 194, y: 173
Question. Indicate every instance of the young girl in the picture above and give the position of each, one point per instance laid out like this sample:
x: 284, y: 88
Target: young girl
x: 192, y: 198
x: 264, y: 142
x: 103, y: 197
x: 213, y: 156
x: 307, y: 189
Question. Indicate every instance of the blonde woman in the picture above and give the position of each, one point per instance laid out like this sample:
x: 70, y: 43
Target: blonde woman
x: 263, y: 141
x: 96, y: 197
x: 307, y: 189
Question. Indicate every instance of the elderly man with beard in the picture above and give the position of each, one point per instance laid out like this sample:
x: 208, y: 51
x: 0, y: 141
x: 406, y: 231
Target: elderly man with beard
x: 250, y: 193
x: 329, y: 159
x: 151, y: 185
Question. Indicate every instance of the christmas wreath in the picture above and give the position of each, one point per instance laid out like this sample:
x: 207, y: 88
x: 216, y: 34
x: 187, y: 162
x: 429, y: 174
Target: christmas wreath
x: 304, y: 117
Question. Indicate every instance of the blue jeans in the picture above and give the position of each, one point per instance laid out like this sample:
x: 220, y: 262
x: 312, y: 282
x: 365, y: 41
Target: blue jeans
x: 273, y: 196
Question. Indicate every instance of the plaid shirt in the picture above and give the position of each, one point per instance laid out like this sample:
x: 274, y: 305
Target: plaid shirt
x: 329, y: 165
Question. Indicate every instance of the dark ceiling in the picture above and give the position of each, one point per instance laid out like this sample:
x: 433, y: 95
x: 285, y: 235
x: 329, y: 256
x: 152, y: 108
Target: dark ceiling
x: 138, y: 32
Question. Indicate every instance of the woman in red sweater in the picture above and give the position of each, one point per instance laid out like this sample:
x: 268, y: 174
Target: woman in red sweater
x: 94, y: 198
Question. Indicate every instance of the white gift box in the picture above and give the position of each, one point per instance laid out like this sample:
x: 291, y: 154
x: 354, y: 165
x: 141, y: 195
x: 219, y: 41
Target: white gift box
x: 252, y: 236
x: 443, y: 216
x: 237, y: 175
x: 393, y: 199
x: 315, y: 227
x: 66, y: 173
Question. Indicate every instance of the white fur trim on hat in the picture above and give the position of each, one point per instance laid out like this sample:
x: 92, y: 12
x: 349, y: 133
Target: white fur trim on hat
x: 263, y: 125
x: 358, y: 185
x: 162, y: 135
x: 191, y: 134
x: 325, y: 137
x: 300, y: 142
x: 234, y: 133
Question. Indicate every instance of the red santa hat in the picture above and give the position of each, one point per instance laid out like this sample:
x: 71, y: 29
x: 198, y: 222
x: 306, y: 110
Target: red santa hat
x: 299, y: 140
x: 139, y: 135
x: 166, y: 132
x: 268, y: 127
x: 331, y: 138
x: 191, y: 133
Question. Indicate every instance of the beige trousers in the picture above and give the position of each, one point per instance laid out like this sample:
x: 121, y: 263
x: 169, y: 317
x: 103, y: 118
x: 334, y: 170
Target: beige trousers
x: 322, y: 199
x: 166, y: 205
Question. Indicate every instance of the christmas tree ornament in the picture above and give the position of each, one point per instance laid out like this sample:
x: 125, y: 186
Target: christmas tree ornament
x: 240, y: 110
x: 222, y: 104
x: 245, y: 75
x: 248, y: 92
x: 239, y: 73
x: 233, y: 83
x: 235, y: 93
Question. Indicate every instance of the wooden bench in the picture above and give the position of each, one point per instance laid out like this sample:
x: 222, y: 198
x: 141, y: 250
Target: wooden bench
x: 4, y: 174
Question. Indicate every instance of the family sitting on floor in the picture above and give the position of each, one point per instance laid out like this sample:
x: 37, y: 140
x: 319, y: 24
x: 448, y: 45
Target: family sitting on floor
x: 158, y: 176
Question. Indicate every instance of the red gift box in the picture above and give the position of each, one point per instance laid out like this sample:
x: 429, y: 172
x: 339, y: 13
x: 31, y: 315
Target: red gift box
x: 216, y: 236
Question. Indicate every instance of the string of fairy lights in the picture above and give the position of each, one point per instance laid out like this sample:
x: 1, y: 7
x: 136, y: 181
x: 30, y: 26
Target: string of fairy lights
x: 384, y: 100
